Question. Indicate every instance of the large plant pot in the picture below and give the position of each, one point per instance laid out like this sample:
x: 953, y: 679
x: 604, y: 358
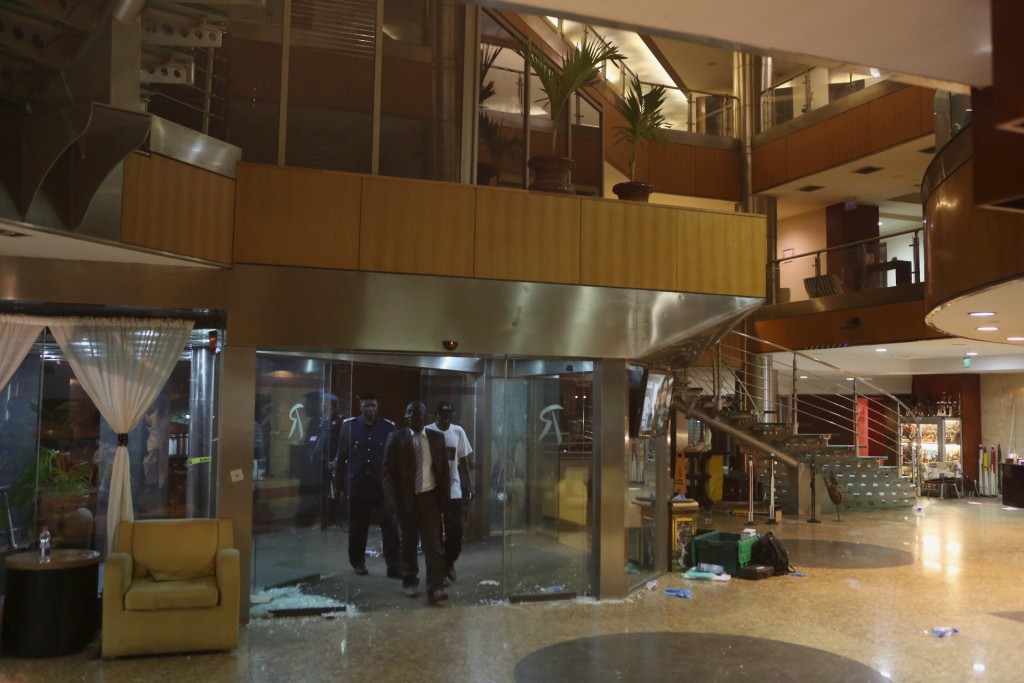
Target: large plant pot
x: 633, y: 191
x: 69, y: 516
x: 551, y: 173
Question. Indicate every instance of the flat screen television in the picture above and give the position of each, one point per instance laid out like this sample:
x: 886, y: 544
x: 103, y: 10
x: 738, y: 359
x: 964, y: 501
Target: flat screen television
x: 657, y: 404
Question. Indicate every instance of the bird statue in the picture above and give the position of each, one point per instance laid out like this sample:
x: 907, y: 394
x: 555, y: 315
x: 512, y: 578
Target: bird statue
x: 835, y: 493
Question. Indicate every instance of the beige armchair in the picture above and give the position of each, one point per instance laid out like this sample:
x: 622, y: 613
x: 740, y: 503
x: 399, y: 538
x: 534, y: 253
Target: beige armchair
x: 171, y: 585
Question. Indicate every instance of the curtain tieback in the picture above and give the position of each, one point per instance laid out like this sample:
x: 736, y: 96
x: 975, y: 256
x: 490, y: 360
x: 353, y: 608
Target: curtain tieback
x: 122, y: 439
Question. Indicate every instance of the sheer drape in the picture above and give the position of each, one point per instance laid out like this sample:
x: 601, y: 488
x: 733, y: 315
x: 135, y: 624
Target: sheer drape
x: 122, y: 364
x: 17, y: 334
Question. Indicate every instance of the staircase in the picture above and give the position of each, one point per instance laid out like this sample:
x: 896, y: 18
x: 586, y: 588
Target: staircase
x: 763, y: 399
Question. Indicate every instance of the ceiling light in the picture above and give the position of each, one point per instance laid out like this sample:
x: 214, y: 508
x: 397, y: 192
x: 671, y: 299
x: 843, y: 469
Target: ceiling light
x: 881, y: 350
x: 981, y: 314
x: 803, y: 376
x: 987, y: 328
x: 971, y: 353
x: 1015, y: 339
x: 850, y: 379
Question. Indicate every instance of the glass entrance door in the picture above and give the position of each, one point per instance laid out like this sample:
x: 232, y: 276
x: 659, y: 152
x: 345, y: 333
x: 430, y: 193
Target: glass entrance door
x: 543, y: 423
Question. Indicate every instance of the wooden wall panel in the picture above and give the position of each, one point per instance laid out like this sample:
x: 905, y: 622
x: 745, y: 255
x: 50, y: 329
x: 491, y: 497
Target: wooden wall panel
x: 527, y: 236
x: 878, y: 324
x: 671, y: 168
x: 723, y: 253
x: 175, y: 207
x: 717, y: 173
x: 415, y: 226
x: 969, y: 246
x: 626, y: 244
x: 768, y: 165
x: 896, y: 118
x: 848, y: 136
x: 297, y: 217
x: 891, y: 119
x: 806, y: 151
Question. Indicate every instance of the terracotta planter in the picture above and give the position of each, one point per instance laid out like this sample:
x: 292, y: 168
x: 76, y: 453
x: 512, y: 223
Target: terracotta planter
x: 633, y: 191
x: 69, y: 517
x: 551, y: 173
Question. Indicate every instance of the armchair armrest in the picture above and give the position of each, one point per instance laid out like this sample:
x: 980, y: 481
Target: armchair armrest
x: 117, y: 573
x: 228, y: 574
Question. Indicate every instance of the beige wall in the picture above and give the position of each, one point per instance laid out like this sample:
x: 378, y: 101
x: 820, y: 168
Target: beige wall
x: 802, y: 234
x: 998, y: 391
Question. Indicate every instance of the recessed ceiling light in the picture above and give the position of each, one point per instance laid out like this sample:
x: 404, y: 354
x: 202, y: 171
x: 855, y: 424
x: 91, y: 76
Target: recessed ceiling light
x: 881, y: 350
x: 981, y: 314
x: 988, y: 328
x: 1015, y: 339
x: 803, y: 376
x: 850, y: 379
x: 971, y: 353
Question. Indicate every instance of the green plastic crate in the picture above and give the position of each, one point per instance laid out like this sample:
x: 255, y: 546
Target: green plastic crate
x: 732, y: 551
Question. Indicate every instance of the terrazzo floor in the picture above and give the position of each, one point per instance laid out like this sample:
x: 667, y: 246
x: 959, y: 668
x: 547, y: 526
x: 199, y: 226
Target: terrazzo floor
x: 868, y: 593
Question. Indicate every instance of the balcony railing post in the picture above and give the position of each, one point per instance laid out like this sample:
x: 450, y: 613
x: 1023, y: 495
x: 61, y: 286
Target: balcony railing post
x: 856, y: 420
x: 793, y: 423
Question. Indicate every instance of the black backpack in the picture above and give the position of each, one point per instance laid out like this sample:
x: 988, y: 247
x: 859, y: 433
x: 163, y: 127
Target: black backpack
x: 769, y: 551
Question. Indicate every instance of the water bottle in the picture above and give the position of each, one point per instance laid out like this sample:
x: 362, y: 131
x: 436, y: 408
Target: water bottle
x: 709, y: 568
x: 44, y: 545
x: 944, y: 631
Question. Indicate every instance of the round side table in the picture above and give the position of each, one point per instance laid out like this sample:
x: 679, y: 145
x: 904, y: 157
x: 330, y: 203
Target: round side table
x: 50, y: 608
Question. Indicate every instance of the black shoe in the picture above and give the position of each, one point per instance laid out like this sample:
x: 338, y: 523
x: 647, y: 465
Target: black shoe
x: 412, y: 592
x: 437, y: 596
x: 451, y: 574
x: 361, y: 570
x: 394, y: 574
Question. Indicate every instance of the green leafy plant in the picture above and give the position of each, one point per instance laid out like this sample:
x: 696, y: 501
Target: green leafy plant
x: 580, y: 68
x: 644, y: 119
x: 53, y: 470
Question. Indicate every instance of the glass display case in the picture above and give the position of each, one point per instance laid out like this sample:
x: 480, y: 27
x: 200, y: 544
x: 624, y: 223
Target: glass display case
x: 934, y: 443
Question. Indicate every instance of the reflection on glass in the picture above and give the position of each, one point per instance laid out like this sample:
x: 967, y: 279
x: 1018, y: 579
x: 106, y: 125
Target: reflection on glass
x: 57, y: 452
x: 547, y: 423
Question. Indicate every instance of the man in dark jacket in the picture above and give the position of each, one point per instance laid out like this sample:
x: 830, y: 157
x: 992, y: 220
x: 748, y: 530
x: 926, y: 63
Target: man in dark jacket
x: 417, y: 486
x: 361, y: 454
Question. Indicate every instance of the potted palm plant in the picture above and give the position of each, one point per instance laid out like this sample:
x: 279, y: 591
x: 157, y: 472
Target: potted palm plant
x: 580, y: 68
x: 644, y: 121
x: 61, y: 487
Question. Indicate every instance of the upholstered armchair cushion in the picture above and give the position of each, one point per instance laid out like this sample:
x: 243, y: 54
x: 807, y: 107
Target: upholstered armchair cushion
x: 171, y: 585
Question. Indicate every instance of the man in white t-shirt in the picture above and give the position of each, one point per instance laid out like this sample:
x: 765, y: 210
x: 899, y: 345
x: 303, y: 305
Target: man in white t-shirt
x: 458, y: 451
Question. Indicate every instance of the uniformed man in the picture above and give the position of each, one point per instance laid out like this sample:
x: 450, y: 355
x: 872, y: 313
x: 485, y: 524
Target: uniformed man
x: 361, y: 454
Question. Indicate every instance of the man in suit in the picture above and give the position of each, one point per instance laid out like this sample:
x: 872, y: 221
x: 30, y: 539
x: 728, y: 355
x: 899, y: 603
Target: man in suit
x: 417, y: 486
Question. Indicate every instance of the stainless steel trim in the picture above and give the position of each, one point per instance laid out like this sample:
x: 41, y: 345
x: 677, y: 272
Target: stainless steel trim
x: 192, y: 147
x: 415, y: 313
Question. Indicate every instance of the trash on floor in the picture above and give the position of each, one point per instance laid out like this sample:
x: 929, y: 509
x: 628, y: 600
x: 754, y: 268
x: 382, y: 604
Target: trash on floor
x: 692, y: 573
x: 944, y: 631
x: 684, y: 593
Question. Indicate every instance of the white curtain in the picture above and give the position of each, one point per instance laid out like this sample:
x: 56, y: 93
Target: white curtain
x: 17, y: 334
x: 121, y: 363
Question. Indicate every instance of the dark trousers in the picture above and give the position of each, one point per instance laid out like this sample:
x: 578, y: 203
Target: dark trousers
x: 423, y: 524
x: 359, y: 511
x: 453, y: 532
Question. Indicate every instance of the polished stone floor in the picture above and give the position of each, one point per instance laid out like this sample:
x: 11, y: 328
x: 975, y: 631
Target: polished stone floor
x: 868, y: 592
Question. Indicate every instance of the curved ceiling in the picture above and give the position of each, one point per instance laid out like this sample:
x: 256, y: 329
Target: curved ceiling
x: 943, y: 43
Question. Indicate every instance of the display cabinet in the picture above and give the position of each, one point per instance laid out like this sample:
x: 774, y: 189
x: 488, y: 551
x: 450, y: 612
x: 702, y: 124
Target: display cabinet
x: 934, y: 443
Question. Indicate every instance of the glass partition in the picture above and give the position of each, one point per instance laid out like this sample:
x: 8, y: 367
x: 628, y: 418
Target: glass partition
x: 546, y: 426
x: 299, y: 516
x: 57, y: 451
x: 810, y: 89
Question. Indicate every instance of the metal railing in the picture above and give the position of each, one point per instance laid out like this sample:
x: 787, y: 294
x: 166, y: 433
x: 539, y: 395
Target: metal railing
x: 803, y: 393
x: 807, y: 90
x: 887, y: 261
